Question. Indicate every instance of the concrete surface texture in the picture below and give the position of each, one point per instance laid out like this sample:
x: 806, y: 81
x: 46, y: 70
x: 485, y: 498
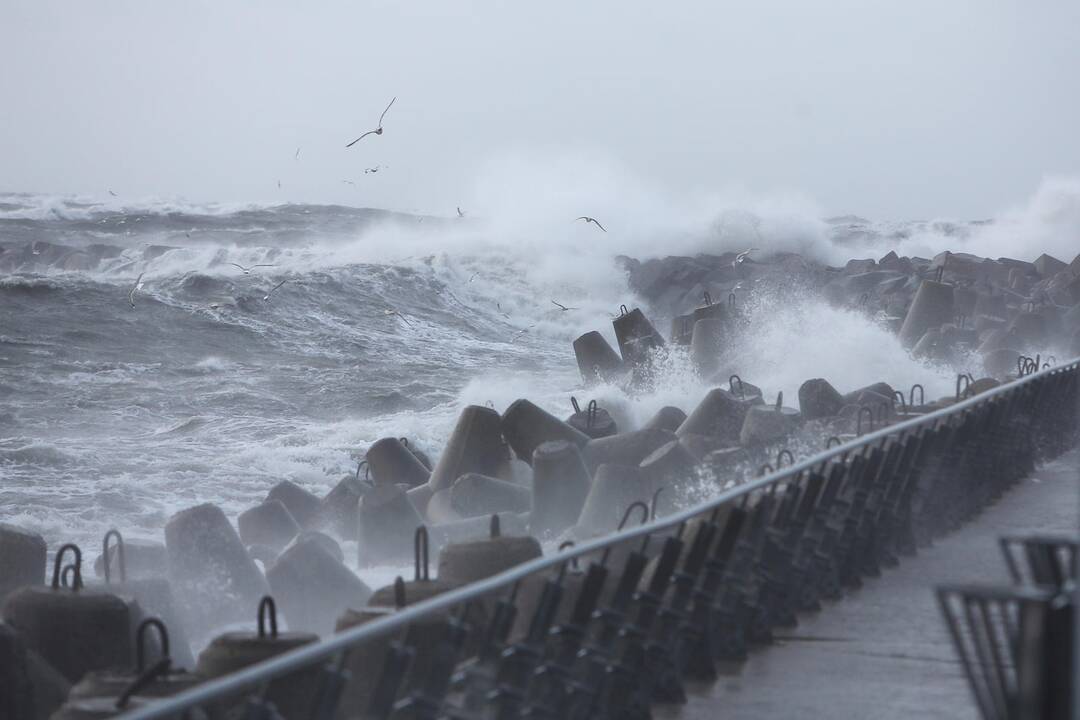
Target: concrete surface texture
x: 883, y: 651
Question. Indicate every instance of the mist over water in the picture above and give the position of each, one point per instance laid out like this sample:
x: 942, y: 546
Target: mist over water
x: 389, y: 324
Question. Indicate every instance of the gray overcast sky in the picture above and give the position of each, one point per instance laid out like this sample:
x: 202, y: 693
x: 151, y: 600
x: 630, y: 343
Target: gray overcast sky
x: 900, y: 109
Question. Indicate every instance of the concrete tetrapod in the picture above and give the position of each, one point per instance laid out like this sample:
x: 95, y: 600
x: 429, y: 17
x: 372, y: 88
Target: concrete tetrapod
x: 931, y: 308
x: 596, y: 360
x: 73, y: 629
x: 293, y: 694
x: 211, y: 572
x: 475, y: 445
x: 525, y: 426
x: 560, y: 485
x: 392, y: 463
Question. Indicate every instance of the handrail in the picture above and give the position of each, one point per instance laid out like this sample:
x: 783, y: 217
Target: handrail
x: 310, y: 655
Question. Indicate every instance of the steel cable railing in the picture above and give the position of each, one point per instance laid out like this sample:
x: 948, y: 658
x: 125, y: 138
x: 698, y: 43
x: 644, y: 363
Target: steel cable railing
x: 652, y: 605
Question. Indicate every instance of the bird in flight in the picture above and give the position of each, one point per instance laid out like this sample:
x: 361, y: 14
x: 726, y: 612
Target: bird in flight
x: 392, y: 311
x: 247, y: 270
x: 112, y: 193
x: 137, y: 286
x: 372, y: 170
x: 297, y: 156
x: 266, y: 297
x: 562, y: 307
x: 742, y: 257
x: 278, y: 184
x: 522, y: 332
x: 348, y: 182
x: 459, y: 213
x: 588, y: 219
x: 473, y: 276
x: 377, y: 130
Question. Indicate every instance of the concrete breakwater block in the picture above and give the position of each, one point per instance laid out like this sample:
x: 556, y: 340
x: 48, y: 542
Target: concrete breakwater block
x: 560, y: 484
x: 22, y: 559
x: 818, y: 399
x: 614, y: 489
x: 636, y: 336
x: 526, y: 426
x: 313, y: 587
x: 474, y: 494
x: 931, y: 308
x: 597, y: 361
x: 387, y: 521
x: 624, y: 449
x: 74, y: 630
x: 475, y: 445
x: 142, y: 559
x: 269, y: 523
x: 720, y: 414
x: 214, y: 578
x: 667, y: 418
x: 392, y: 463
x: 338, y: 508
x: 302, y: 504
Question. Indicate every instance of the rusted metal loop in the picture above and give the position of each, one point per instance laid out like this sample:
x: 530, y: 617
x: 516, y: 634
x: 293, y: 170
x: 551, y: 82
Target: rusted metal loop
x: 623, y: 311
x: 858, y: 422
x: 833, y: 441
x: 655, y: 502
x: 590, y: 418
x: 77, y: 583
x: 731, y: 300
x: 140, y: 641
x: 911, y: 396
x: 766, y: 469
x: 490, y: 404
x: 267, y: 611
x: 573, y: 561
x: 1021, y: 363
x: 421, y: 554
x: 903, y: 402
x: 1046, y: 365
x: 784, y: 452
x: 962, y: 380
x: 160, y: 668
x: 708, y: 298
x: 731, y: 386
x: 399, y: 592
x: 121, y: 560
x: 367, y: 471
x: 630, y: 508
x: 67, y: 576
x: 1052, y: 359
x: 404, y: 441
x: 574, y: 403
x: 779, y: 401
x: 495, y: 529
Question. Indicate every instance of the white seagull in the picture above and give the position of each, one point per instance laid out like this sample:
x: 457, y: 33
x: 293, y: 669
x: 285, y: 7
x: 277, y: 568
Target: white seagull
x: 594, y: 221
x: 137, y: 286
x: 247, y: 270
x: 377, y: 130
x: 266, y: 297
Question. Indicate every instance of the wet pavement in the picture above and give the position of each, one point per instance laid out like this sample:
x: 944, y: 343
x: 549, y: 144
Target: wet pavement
x: 883, y: 651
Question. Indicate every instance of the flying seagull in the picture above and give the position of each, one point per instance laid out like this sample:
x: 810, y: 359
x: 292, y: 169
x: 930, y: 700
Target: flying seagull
x: 473, y: 276
x: 278, y: 184
x: 588, y: 219
x: 137, y: 286
x: 266, y: 297
x: 247, y: 270
x: 377, y: 130
x: 562, y: 307
x: 348, y: 182
x: 459, y: 213
x: 742, y: 257
x: 391, y: 311
x: 372, y: 170
x: 112, y: 193
x: 297, y: 156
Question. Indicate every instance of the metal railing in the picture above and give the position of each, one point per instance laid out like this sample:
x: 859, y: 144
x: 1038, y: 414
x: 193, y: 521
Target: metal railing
x: 667, y: 600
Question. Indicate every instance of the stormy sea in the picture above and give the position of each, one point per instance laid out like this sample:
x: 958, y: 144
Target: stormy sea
x: 156, y: 355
